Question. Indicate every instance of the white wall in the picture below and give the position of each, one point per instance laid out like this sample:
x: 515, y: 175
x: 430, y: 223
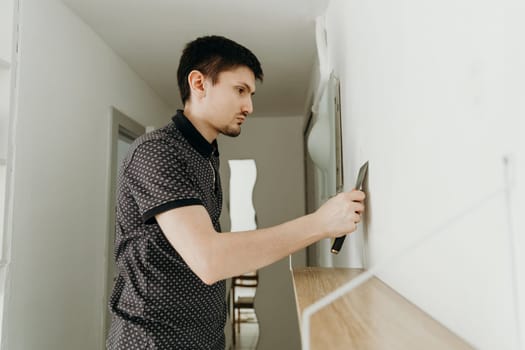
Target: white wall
x: 276, y: 144
x: 6, y: 33
x: 423, y: 98
x: 6, y: 70
x: 515, y: 106
x: 6, y: 25
x: 5, y: 84
x: 68, y: 79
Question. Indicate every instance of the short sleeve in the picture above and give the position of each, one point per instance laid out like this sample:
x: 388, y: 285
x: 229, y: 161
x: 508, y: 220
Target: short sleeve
x: 159, y: 180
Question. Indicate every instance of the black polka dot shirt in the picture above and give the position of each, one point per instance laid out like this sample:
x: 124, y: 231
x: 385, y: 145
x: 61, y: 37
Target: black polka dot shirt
x: 157, y: 301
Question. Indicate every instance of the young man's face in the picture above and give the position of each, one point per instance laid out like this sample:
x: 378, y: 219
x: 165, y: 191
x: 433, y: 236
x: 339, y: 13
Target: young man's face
x: 229, y: 101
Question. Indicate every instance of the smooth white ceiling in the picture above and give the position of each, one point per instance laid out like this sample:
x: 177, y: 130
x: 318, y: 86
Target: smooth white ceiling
x: 150, y: 35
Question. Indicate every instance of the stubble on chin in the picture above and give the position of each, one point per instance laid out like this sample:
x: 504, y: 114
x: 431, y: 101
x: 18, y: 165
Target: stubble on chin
x: 231, y: 132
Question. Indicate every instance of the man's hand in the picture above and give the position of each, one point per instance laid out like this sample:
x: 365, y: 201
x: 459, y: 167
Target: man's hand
x: 340, y: 214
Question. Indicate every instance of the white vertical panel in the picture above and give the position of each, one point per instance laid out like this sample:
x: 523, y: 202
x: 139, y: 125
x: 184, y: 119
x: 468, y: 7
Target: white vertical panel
x: 243, y: 174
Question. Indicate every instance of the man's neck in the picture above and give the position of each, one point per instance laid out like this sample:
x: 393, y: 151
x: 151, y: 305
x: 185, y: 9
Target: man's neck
x: 200, y: 123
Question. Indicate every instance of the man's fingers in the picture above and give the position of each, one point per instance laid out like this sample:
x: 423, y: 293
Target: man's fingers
x: 357, y: 196
x: 359, y: 207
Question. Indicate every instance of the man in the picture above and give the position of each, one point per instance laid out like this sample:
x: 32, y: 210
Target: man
x: 170, y: 292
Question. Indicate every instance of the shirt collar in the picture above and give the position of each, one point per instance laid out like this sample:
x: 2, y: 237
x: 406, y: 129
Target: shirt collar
x: 194, y: 137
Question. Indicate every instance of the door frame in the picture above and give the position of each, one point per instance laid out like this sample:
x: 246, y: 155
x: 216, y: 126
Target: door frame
x: 120, y: 123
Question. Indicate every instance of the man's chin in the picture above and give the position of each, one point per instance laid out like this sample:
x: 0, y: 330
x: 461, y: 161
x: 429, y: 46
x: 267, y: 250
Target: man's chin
x: 232, y: 132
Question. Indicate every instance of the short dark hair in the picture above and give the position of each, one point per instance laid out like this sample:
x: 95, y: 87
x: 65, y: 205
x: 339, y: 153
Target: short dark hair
x: 212, y: 55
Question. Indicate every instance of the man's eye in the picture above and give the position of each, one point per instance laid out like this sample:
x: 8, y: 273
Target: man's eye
x: 240, y: 90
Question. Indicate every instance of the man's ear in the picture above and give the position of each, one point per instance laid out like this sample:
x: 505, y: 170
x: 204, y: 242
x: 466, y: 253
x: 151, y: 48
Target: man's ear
x: 196, y: 81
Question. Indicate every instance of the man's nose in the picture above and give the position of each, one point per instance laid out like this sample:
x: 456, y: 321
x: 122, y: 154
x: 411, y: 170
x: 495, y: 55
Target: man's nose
x: 248, y: 106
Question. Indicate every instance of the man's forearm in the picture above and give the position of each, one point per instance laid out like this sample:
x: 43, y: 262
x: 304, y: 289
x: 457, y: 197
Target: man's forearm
x: 235, y: 253
x: 214, y: 257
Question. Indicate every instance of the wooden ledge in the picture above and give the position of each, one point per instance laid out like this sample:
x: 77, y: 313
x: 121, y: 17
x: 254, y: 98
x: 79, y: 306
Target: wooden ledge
x: 372, y: 316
